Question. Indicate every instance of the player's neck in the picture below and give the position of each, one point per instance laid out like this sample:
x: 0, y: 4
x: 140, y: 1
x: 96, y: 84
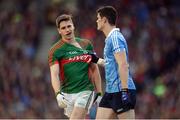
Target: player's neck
x: 72, y: 41
x: 69, y: 40
x: 108, y: 29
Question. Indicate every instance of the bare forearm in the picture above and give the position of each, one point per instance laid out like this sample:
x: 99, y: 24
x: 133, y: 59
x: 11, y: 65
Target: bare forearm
x: 55, y: 77
x: 55, y: 83
x: 98, y: 81
x: 97, y: 78
x: 123, y: 68
x: 123, y: 71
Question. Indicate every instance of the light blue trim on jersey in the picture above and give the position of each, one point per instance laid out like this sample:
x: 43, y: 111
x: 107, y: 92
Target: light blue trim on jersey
x: 115, y: 42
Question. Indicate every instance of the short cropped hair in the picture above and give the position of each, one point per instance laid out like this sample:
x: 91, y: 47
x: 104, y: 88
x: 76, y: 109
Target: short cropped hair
x: 109, y: 12
x: 63, y: 17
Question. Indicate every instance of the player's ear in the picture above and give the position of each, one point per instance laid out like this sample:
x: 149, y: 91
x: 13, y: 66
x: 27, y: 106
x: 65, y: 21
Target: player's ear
x: 58, y: 29
x: 73, y: 27
x: 104, y: 19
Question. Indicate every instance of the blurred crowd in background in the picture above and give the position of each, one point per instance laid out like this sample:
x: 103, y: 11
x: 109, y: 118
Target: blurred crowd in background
x: 152, y: 31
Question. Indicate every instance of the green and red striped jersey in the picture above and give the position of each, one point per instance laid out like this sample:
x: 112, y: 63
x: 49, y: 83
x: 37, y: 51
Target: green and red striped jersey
x: 73, y: 64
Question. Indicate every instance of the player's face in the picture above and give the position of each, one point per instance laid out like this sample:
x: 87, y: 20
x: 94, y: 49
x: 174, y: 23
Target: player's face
x: 66, y: 30
x: 100, y: 22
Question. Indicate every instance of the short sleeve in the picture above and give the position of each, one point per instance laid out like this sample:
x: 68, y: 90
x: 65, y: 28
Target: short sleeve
x: 52, y: 59
x: 118, y: 42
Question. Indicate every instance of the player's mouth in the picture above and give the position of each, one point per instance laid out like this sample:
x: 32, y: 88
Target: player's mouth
x: 68, y: 34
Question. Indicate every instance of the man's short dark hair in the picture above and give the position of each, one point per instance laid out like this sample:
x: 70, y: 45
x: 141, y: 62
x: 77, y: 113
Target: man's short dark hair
x: 109, y: 12
x: 63, y: 17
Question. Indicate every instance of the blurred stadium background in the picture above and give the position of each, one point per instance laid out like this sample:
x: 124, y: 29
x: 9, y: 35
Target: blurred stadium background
x: 27, y: 30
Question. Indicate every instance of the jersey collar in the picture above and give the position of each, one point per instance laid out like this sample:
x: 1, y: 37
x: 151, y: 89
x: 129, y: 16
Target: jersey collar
x: 114, y: 29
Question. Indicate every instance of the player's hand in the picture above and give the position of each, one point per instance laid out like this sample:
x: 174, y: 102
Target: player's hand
x: 61, y: 100
x: 126, y: 102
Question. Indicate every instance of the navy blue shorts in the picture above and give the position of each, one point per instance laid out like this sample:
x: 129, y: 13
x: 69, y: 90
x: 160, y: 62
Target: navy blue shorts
x: 113, y: 100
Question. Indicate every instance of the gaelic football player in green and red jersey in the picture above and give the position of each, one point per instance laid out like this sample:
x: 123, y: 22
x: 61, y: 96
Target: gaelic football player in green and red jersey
x: 73, y: 75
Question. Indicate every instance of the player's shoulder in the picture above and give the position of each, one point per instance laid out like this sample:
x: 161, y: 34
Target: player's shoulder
x: 116, y: 36
x: 56, y: 46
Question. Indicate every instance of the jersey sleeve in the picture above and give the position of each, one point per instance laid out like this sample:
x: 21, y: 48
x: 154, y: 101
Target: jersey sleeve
x: 52, y: 59
x: 118, y: 42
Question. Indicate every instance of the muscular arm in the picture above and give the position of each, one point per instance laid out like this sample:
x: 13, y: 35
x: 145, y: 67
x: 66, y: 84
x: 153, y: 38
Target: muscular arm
x: 96, y: 78
x: 123, y: 67
x: 55, y: 77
